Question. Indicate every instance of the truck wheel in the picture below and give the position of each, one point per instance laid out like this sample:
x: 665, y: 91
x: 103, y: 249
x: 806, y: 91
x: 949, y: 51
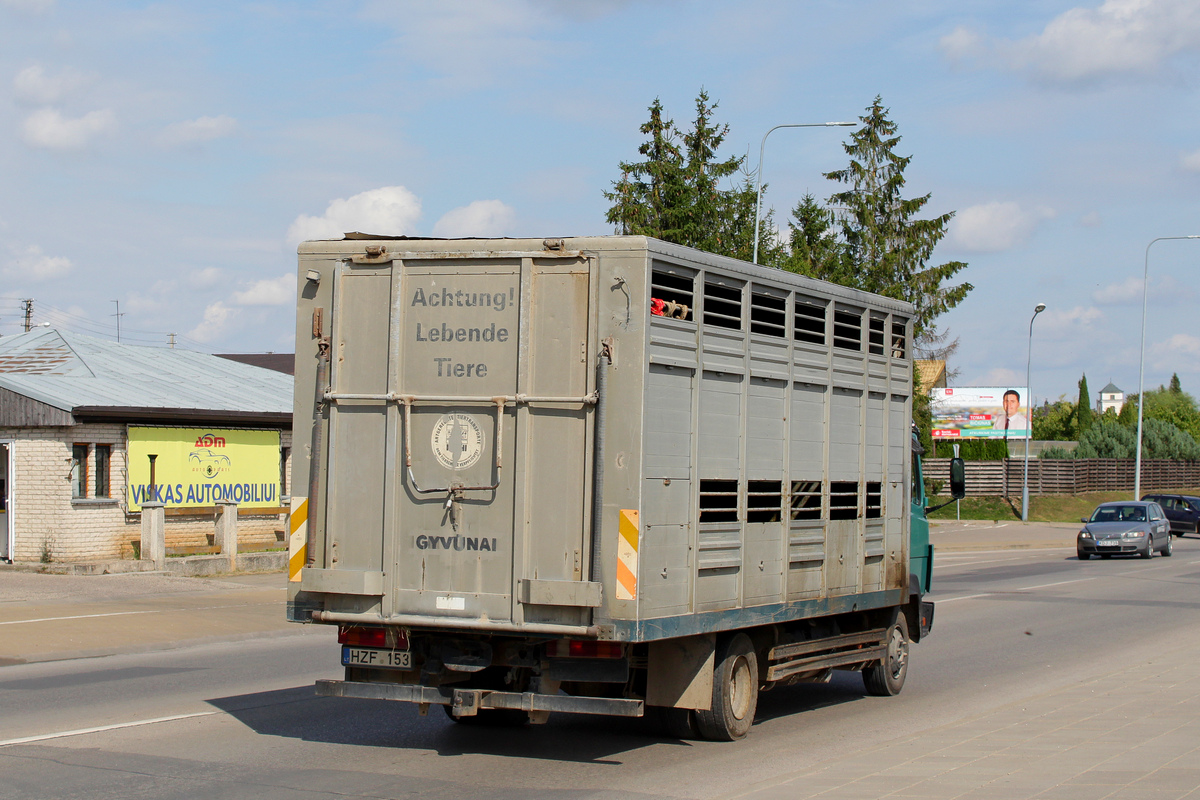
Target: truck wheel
x: 734, y: 694
x: 886, y: 678
x: 676, y: 723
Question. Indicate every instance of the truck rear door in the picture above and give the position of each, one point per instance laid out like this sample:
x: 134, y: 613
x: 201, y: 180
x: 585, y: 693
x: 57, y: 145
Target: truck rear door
x: 459, y: 433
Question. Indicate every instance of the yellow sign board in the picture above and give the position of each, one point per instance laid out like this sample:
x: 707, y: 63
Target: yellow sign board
x: 198, y: 467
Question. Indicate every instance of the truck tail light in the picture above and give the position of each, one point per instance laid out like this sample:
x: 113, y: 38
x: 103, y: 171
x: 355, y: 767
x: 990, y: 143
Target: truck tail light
x: 359, y: 636
x: 570, y: 648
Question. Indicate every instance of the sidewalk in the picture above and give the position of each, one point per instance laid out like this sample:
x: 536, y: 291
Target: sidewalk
x: 1130, y: 734
x: 948, y: 537
x: 55, y: 617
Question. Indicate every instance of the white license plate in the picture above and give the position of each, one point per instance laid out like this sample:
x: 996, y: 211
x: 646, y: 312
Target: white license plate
x: 1108, y: 543
x: 365, y: 657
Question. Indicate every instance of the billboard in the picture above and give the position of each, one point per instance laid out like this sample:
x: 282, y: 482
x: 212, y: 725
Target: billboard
x: 197, y: 467
x: 980, y: 412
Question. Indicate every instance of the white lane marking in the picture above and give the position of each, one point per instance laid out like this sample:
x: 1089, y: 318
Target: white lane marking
x: 1047, y: 585
x: 80, y: 616
x: 102, y: 728
x: 131, y: 613
x: 1010, y: 591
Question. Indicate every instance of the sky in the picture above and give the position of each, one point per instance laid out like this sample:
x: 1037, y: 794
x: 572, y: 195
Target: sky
x: 163, y: 160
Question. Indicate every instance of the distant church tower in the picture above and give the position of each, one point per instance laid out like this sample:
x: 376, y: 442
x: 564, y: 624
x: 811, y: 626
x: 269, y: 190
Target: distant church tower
x: 1110, y: 397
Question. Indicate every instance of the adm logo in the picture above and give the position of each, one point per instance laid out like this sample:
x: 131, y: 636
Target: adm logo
x: 204, y: 460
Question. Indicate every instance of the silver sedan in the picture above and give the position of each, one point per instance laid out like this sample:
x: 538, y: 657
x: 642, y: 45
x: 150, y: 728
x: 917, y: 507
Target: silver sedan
x: 1125, y: 528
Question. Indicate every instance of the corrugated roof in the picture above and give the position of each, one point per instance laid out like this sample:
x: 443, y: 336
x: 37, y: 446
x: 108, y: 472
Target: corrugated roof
x: 69, y: 370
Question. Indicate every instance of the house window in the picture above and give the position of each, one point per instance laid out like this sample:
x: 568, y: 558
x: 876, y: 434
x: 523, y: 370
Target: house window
x: 103, y: 459
x: 79, y: 470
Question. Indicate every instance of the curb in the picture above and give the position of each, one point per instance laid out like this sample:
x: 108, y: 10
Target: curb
x: 183, y: 567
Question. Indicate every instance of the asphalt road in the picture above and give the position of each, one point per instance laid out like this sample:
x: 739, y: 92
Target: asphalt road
x: 239, y: 720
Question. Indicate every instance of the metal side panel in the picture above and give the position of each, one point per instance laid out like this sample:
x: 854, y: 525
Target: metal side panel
x: 358, y: 430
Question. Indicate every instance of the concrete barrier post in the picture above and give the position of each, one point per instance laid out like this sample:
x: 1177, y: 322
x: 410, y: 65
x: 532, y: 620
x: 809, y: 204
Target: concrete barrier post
x: 227, y: 521
x: 154, y: 534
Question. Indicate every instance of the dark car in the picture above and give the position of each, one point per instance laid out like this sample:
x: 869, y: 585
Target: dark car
x: 1129, y: 527
x: 1183, y: 511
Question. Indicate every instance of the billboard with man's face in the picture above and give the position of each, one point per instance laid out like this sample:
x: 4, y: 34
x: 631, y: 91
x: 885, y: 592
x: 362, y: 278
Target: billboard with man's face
x: 980, y: 412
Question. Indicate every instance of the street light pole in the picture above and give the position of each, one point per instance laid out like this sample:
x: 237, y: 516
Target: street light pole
x: 1137, y: 461
x: 1039, y: 308
x: 758, y: 175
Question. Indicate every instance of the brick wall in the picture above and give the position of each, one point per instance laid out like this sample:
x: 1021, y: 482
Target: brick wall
x: 50, y: 524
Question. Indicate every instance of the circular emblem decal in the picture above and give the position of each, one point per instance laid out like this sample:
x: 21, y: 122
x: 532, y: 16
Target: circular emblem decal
x: 457, y: 441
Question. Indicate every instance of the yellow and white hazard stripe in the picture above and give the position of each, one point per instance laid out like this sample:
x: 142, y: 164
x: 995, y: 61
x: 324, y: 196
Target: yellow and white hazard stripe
x: 297, y: 541
x: 627, y: 555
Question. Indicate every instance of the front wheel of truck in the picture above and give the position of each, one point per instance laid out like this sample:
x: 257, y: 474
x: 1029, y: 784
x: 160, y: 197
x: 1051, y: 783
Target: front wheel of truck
x: 886, y: 678
x: 734, y: 694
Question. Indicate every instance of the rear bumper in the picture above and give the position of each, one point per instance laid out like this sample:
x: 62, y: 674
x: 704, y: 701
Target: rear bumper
x: 468, y: 702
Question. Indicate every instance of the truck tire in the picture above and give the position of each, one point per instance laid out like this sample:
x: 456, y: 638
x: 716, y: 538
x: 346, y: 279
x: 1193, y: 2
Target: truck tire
x: 675, y: 723
x: 886, y: 678
x: 734, y: 694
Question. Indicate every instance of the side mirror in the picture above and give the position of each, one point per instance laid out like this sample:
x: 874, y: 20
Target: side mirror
x: 1083, y: 519
x: 958, y: 478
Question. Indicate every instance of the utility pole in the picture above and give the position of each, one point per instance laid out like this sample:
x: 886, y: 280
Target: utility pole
x: 118, y: 315
x: 171, y: 340
x: 28, y: 314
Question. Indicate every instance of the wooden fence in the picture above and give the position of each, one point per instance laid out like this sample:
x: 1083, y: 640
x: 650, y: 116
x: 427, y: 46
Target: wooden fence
x: 1066, y: 476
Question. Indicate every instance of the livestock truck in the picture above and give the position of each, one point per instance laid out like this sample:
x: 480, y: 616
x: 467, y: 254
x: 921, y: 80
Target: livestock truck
x: 601, y: 475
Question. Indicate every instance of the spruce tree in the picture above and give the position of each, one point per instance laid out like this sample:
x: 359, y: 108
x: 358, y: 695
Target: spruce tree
x: 886, y: 245
x: 683, y: 192
x: 1083, y: 410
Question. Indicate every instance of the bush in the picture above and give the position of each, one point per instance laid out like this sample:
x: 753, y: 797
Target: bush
x: 975, y: 449
x: 1055, y: 452
x: 1107, y: 439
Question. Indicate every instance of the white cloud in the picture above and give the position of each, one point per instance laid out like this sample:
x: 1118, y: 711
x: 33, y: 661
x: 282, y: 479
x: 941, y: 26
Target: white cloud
x: 32, y: 86
x: 960, y: 44
x: 1092, y: 219
x: 1070, y: 318
x: 480, y: 218
x: 1164, y: 291
x: 1181, y: 348
x: 28, y: 6
x: 206, y: 278
x: 34, y: 265
x: 492, y: 40
x: 216, y: 316
x: 1001, y: 376
x: 268, y: 292
x: 390, y: 211
x: 1119, y: 37
x: 195, y: 131
x: 1122, y: 293
x: 47, y: 128
x: 995, y: 227
x: 1191, y: 161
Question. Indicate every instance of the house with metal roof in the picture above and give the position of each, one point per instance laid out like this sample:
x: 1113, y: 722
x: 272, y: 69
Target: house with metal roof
x: 1111, y: 397
x: 90, y: 429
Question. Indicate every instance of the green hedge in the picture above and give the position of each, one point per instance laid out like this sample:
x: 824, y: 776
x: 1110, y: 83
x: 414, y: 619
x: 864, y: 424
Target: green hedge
x: 975, y: 449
